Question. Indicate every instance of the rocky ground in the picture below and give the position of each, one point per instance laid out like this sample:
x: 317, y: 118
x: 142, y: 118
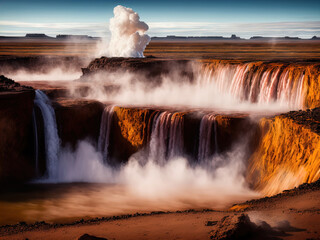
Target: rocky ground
x: 309, y: 118
x: 8, y: 85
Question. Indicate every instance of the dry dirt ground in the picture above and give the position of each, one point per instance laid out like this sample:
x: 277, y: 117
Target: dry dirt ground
x: 245, y: 50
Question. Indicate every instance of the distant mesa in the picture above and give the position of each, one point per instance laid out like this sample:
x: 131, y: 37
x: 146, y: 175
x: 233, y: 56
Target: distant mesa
x: 259, y: 37
x: 278, y: 38
x: 194, y: 38
x: 75, y: 37
x: 37, y: 35
x: 42, y: 36
x: 169, y: 38
x: 233, y: 36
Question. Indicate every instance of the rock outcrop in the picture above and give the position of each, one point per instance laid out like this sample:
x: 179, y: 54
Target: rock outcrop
x: 16, y: 142
x: 147, y: 69
x: 90, y: 237
x: 238, y: 227
x: 78, y: 119
x: 288, y: 153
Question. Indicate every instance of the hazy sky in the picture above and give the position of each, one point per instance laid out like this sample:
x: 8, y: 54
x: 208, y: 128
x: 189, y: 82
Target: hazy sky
x: 165, y: 17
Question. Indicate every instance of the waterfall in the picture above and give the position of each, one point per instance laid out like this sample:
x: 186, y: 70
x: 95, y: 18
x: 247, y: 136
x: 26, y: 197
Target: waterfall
x: 257, y: 82
x: 205, y: 137
x: 166, y: 137
x: 36, y: 143
x: 159, y: 137
x: 216, y: 146
x: 176, y: 136
x: 105, y: 129
x: 52, y: 141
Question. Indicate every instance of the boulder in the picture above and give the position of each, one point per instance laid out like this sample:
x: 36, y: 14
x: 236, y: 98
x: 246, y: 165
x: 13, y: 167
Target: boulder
x: 90, y: 237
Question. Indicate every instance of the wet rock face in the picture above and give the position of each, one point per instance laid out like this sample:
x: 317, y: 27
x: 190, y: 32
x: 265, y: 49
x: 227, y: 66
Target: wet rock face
x: 132, y: 128
x: 151, y: 68
x: 296, y: 83
x: 16, y: 142
x: 77, y: 120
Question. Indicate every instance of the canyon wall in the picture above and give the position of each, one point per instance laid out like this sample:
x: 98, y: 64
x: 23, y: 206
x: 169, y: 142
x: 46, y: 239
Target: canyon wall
x: 78, y: 119
x: 311, y: 86
x: 288, y: 153
x: 132, y: 129
x: 295, y: 85
x: 16, y: 142
x: 22, y: 142
x: 283, y: 151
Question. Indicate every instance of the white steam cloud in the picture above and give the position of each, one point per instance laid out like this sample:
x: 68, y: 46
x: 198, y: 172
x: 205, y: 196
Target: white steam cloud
x: 55, y: 74
x: 150, y: 186
x: 133, y: 90
x: 128, y: 38
x: 137, y: 187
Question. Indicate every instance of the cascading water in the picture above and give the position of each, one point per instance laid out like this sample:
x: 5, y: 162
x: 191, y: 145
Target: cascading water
x: 205, y: 137
x: 52, y: 141
x: 257, y: 82
x: 166, y: 137
x: 176, y: 135
x: 159, y: 137
x: 36, y: 143
x: 105, y: 128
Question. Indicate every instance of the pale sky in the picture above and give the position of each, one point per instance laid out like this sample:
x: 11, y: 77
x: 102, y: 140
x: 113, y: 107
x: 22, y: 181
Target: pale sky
x: 187, y: 18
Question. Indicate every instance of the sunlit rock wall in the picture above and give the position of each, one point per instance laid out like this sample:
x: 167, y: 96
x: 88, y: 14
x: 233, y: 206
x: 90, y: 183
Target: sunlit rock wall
x: 132, y: 128
x: 288, y: 153
x: 311, y: 86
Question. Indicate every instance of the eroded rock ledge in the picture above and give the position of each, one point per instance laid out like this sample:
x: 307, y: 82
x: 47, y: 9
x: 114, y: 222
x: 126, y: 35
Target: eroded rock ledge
x: 150, y: 67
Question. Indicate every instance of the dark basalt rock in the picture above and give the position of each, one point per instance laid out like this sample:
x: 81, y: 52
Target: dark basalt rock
x: 16, y: 142
x: 90, y: 237
x: 78, y: 119
x: 309, y: 118
x: 8, y: 85
x: 237, y: 227
x: 149, y: 69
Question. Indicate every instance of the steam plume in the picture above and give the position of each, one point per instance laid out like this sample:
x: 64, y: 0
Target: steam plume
x: 128, y: 38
